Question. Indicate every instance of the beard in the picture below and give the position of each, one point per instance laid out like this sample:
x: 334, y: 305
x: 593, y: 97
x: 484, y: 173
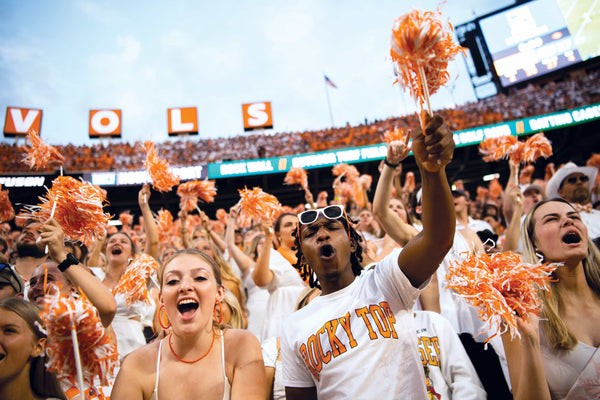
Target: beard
x: 30, y: 250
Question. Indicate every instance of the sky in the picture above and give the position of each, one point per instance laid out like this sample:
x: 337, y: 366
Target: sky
x: 143, y: 57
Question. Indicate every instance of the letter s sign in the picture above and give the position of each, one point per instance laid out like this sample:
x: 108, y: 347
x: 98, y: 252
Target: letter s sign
x: 257, y: 116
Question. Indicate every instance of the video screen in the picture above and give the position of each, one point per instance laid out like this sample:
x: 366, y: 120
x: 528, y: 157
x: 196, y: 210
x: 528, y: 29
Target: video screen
x: 540, y: 37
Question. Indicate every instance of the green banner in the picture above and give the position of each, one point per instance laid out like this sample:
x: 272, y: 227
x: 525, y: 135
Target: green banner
x: 354, y: 155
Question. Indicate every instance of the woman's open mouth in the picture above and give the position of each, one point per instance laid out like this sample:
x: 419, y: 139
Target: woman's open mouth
x: 187, y: 307
x: 571, y: 238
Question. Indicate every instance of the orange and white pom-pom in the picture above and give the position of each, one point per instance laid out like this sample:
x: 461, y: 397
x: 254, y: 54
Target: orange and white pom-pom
x: 164, y: 222
x: 257, y: 206
x: 7, y: 212
x: 76, y: 206
x: 221, y: 215
x: 133, y: 284
x: 501, y: 287
x: 422, y: 47
x: 497, y: 148
x: 126, y: 218
x: 190, y: 191
x: 39, y: 153
x: 97, y: 350
x: 349, y: 171
x: 495, y: 189
x: 396, y: 134
x: 163, y: 179
x: 296, y: 176
x: 537, y: 146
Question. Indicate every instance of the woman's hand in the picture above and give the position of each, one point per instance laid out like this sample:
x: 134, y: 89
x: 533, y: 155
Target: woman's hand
x: 144, y: 195
x: 52, y: 237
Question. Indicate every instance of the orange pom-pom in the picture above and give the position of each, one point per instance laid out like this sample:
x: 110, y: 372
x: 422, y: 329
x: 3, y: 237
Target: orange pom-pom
x: 497, y: 148
x: 164, y: 222
x: 535, y: 147
x: 133, y: 284
x: 594, y: 161
x: 163, y: 179
x: 526, y: 174
x: 126, y: 219
x: 76, y: 206
x: 422, y: 46
x: 349, y: 171
x: 190, y: 191
x: 296, y: 176
x: 257, y: 205
x: 221, y: 215
x: 97, y: 350
x: 40, y: 153
x: 501, y: 287
x: 7, y: 212
x: 396, y: 134
x: 495, y: 189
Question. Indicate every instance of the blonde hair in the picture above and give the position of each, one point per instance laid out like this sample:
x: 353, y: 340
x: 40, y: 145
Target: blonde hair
x: 237, y: 320
x: 554, y: 327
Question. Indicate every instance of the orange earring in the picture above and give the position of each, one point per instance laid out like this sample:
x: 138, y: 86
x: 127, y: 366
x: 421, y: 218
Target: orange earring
x: 160, y: 322
x: 220, y: 319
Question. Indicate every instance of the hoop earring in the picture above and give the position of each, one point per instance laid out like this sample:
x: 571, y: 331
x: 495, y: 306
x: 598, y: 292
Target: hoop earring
x: 220, y: 319
x: 160, y: 322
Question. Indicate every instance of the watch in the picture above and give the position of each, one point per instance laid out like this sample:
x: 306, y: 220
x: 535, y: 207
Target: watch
x: 70, y: 260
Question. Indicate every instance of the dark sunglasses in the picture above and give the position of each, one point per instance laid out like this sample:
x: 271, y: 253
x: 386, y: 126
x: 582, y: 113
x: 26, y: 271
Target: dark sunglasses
x: 573, y: 179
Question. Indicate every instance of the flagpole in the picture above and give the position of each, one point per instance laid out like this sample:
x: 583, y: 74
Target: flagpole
x: 328, y: 102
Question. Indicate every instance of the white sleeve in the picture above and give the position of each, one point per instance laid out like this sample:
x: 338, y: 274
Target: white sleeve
x: 295, y: 372
x: 390, y: 279
x: 284, y: 273
x: 269, y: 351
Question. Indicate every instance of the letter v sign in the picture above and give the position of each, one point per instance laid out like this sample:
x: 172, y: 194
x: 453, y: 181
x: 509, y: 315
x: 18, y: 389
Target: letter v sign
x: 20, y: 120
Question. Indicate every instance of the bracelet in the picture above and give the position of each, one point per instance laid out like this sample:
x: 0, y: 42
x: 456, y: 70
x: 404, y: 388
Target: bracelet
x: 67, y: 262
x: 386, y: 162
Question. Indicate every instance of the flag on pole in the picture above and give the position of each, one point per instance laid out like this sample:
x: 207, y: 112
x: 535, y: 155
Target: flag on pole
x: 329, y: 82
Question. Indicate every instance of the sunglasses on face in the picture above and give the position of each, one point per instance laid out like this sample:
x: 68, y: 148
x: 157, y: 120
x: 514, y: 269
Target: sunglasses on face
x: 573, y: 179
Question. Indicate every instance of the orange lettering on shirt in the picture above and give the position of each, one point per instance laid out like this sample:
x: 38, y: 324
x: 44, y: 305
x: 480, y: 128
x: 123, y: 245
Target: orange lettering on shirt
x: 327, y: 356
x: 390, y: 316
x: 380, y: 320
x: 362, y: 312
x: 304, y: 354
x: 345, y: 322
x: 337, y: 347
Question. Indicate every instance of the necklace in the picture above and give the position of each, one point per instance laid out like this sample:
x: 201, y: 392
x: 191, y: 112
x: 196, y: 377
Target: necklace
x: 197, y: 359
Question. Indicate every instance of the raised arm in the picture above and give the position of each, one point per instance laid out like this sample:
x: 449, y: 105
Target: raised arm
x: 98, y: 294
x: 393, y: 225
x: 243, y: 261
x: 511, y: 241
x: 524, y: 359
x: 423, y: 254
x: 185, y: 238
x: 214, y: 236
x: 150, y: 227
x: 262, y: 275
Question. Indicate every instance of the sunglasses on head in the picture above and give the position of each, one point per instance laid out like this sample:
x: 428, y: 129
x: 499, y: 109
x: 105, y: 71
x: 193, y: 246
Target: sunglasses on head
x: 333, y: 212
x: 329, y: 212
x: 573, y: 179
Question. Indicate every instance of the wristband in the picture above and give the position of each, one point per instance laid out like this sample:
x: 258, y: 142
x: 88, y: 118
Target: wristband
x: 67, y: 262
x: 392, y: 166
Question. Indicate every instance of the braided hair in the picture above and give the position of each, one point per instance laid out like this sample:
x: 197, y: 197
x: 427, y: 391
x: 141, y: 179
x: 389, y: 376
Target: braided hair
x: 305, y: 270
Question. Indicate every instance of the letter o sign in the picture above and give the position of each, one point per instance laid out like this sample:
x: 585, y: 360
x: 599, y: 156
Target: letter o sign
x: 105, y: 123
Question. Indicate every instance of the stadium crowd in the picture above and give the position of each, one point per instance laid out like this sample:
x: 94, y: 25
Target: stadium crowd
x: 578, y: 90
x: 295, y: 306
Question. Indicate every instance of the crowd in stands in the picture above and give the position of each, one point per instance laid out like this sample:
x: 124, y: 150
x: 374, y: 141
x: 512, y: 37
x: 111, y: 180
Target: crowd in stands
x: 579, y: 89
x: 262, y: 309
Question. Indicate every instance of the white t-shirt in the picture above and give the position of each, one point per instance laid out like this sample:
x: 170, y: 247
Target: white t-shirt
x: 270, y: 354
x: 285, y: 288
x: 449, y: 372
x: 358, y: 342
